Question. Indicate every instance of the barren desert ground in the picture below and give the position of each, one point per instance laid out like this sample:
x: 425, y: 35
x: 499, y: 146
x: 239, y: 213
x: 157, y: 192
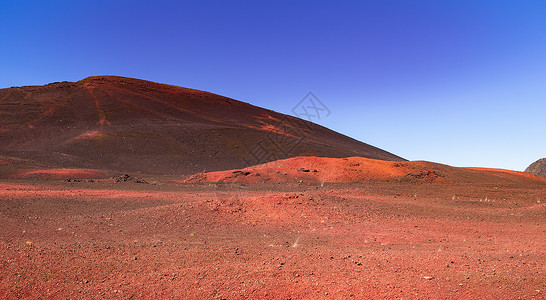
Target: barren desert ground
x: 233, y: 240
x: 273, y: 150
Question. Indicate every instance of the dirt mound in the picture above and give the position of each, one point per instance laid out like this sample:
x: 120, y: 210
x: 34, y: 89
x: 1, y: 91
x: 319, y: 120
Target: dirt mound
x: 136, y: 126
x: 537, y: 168
x: 321, y: 169
x: 358, y: 169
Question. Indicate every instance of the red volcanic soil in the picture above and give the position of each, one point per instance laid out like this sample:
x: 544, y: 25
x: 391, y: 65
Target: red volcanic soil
x: 137, y: 126
x: 412, y: 230
x: 359, y: 169
x: 509, y: 173
x: 363, y: 223
x: 61, y: 174
x: 316, y: 169
x: 16, y: 168
x: 374, y: 239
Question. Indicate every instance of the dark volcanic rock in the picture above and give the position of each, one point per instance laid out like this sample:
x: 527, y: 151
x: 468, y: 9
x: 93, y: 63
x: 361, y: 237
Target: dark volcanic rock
x: 537, y: 168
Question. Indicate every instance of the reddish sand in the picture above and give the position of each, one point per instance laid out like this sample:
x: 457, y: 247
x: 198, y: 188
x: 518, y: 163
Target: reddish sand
x: 378, y: 239
x: 510, y: 172
x: 61, y: 174
x: 312, y: 169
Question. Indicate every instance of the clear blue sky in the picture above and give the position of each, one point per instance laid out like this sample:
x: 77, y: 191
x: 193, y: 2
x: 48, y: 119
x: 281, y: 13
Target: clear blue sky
x: 456, y: 82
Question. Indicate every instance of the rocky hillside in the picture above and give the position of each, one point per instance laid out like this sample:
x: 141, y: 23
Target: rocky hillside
x: 130, y: 125
x: 537, y: 168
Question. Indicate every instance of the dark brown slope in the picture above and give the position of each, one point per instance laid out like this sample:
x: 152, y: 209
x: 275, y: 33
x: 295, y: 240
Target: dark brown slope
x: 537, y: 168
x: 123, y: 124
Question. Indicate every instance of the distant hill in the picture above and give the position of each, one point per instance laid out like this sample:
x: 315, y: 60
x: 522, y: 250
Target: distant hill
x: 358, y: 169
x: 537, y: 168
x: 131, y: 125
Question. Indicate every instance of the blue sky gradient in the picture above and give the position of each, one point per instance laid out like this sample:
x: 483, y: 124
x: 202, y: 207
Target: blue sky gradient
x: 456, y: 82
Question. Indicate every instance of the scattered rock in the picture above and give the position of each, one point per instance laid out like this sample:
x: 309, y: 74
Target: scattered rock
x: 239, y: 172
x: 127, y: 177
x: 72, y: 180
x: 122, y: 178
x: 425, y: 175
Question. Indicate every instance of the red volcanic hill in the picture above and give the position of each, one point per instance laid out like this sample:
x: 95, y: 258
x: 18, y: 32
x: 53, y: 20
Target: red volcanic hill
x: 359, y: 169
x: 130, y: 125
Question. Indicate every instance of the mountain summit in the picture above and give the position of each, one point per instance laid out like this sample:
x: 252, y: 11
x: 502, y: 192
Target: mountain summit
x: 131, y: 125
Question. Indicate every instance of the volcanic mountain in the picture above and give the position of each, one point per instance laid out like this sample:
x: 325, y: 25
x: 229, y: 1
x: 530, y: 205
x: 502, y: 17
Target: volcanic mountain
x: 537, y: 168
x: 129, y: 125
